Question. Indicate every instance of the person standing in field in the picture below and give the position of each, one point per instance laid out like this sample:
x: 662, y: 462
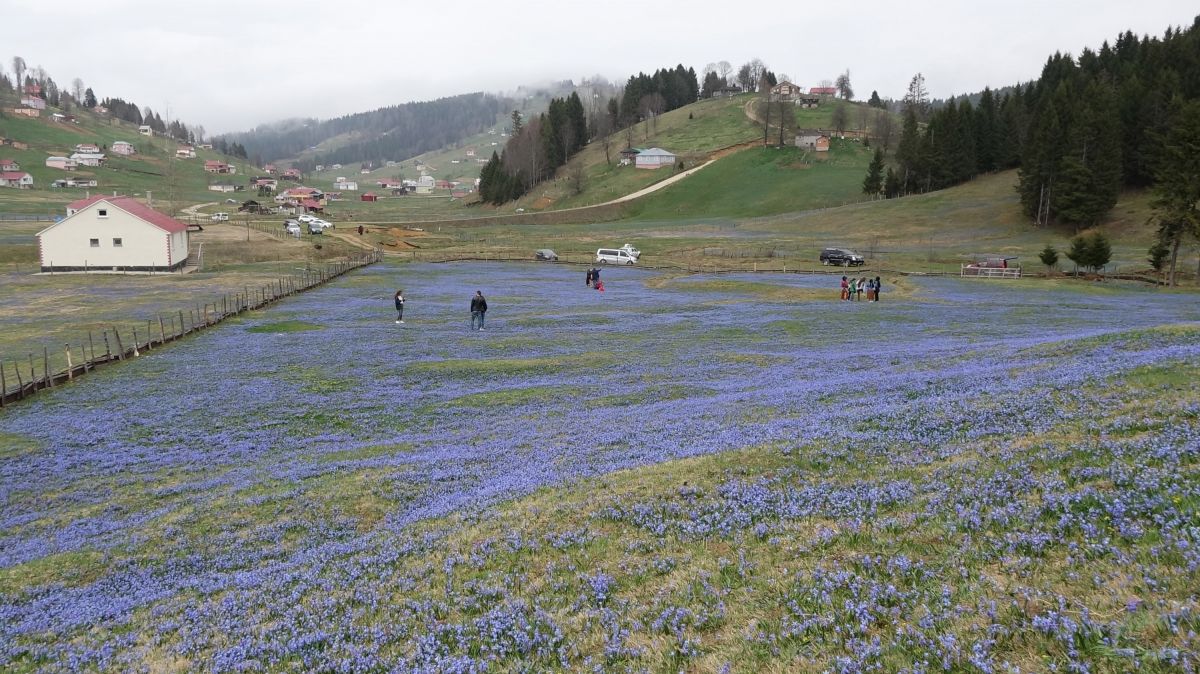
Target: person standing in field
x: 845, y: 288
x: 478, y: 309
x: 588, y: 281
x: 400, y: 306
x: 877, y: 288
x: 860, y: 287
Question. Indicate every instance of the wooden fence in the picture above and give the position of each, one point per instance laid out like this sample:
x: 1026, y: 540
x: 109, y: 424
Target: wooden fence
x: 36, y: 372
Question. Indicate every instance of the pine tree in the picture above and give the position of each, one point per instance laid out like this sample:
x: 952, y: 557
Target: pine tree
x: 873, y: 184
x: 89, y: 99
x: 875, y: 101
x: 1049, y: 257
x: 891, y: 185
x: 1176, y: 189
x: 908, y: 151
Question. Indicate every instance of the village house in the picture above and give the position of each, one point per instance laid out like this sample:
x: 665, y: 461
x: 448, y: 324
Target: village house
x: 24, y: 112
x: 205, y: 146
x: 18, y: 179
x: 270, y: 169
x: 269, y: 183
x: 88, y: 158
x: 88, y: 148
x: 291, y: 174
x: 785, y: 91
x: 74, y: 182
x: 424, y: 185
x: 145, y: 130
x: 64, y: 163
x: 653, y: 158
x: 222, y: 187
x: 185, y: 152
x: 442, y: 184
x: 113, y: 233
x: 813, y: 140
x: 348, y: 185
x: 369, y: 196
x: 122, y: 147
x: 252, y: 206
x: 9, y: 165
x: 33, y: 102
x: 214, y: 166
x: 823, y: 91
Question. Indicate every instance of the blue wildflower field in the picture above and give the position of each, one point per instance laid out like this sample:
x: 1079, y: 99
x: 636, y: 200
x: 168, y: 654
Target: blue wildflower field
x: 725, y: 473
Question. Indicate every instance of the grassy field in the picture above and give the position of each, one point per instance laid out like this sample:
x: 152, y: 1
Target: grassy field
x: 679, y: 474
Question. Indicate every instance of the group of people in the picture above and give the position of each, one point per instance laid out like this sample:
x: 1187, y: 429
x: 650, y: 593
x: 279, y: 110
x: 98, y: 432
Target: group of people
x: 478, y: 308
x: 853, y: 289
x: 593, y: 279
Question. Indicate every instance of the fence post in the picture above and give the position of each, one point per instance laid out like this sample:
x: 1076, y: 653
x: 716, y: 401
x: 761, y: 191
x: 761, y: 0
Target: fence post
x: 90, y: 361
x: 70, y: 366
x: 46, y: 365
x: 20, y: 382
x: 3, y: 385
x: 32, y: 373
x: 120, y: 347
x: 181, y: 332
x: 136, y: 353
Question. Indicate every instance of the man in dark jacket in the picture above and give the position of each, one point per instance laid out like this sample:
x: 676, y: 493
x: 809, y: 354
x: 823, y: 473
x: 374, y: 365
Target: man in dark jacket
x: 478, y: 309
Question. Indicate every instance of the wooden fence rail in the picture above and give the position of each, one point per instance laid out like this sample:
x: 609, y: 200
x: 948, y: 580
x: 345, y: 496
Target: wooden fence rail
x: 35, y: 374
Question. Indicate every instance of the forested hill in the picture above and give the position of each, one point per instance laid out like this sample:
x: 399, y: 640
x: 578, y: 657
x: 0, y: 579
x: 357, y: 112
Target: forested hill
x: 395, y: 132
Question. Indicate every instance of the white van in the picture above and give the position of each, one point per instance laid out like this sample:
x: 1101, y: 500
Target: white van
x: 614, y: 256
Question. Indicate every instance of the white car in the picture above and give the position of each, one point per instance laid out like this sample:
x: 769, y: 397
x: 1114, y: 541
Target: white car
x: 634, y: 252
x: 325, y: 224
x: 307, y: 218
x: 220, y: 217
x: 614, y: 256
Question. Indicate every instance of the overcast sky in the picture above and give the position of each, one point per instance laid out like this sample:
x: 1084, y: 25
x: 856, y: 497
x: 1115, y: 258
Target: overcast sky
x: 231, y: 64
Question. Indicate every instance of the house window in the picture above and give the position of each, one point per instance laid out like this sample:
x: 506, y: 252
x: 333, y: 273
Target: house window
x: 116, y: 242
x: 103, y: 212
x: 95, y: 243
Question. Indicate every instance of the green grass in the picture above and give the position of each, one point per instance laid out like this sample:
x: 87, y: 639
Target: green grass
x: 285, y: 326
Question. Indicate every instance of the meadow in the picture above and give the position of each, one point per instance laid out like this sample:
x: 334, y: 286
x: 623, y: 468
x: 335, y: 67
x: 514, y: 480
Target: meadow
x: 709, y: 473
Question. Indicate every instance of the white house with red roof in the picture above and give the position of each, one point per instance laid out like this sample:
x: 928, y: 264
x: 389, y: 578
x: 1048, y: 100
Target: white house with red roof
x: 123, y: 147
x: 9, y: 165
x: 113, y: 233
x: 18, y: 179
x: 215, y: 166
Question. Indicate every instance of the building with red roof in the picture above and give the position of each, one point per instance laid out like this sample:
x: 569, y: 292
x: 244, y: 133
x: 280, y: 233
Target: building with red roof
x: 823, y: 91
x: 215, y: 166
x: 369, y: 196
x: 116, y: 233
x: 18, y: 179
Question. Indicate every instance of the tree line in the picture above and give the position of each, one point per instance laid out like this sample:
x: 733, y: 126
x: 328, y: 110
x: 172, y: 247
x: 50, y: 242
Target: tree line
x: 1087, y: 128
x: 535, y: 150
x: 389, y: 133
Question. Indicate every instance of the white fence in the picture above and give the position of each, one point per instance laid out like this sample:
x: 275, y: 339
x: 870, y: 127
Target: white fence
x: 990, y: 272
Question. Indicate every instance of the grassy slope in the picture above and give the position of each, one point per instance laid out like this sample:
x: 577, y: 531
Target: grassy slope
x: 152, y: 169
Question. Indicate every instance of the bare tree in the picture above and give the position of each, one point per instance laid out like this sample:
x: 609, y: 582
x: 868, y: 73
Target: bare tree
x: 651, y: 106
x: 884, y: 130
x: 787, y: 119
x: 18, y: 65
x: 843, y: 85
x: 575, y: 177
x: 744, y: 78
x: 840, y: 118
x: 864, y: 117
x: 825, y: 83
x: 77, y: 89
x: 629, y: 136
x: 763, y: 110
x: 199, y: 131
x: 757, y: 68
x: 723, y: 69
x: 917, y: 97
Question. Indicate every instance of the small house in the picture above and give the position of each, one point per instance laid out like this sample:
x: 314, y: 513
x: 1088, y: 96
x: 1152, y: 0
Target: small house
x: 118, y: 233
x: 88, y: 158
x: 270, y: 169
x: 291, y: 174
x: 124, y: 148
x: 653, y: 158
x: 222, y: 187
x: 63, y: 163
x: 88, y: 148
x: 24, y: 112
x: 823, y: 91
x: 9, y: 165
x: 18, y: 179
x: 215, y: 166
x: 369, y: 196
x: 185, y: 152
x: 348, y: 185
x: 813, y: 140
x: 442, y: 184
x: 785, y: 91
x: 250, y: 206
x: 312, y: 206
x: 425, y: 185
x: 145, y: 130
x: 33, y: 102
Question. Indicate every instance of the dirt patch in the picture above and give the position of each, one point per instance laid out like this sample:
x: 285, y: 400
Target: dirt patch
x: 543, y: 203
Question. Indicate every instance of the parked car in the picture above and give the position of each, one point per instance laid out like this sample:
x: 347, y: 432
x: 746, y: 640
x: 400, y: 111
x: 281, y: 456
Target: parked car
x: 307, y: 218
x: 841, y: 257
x: 614, y: 256
x: 291, y: 227
x: 546, y: 254
x: 220, y: 217
x: 631, y: 250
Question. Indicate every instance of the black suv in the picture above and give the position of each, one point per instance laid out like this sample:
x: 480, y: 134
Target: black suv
x: 841, y: 257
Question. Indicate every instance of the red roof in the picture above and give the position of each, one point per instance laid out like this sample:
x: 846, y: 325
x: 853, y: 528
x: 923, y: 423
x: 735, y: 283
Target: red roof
x: 13, y: 175
x: 823, y: 90
x: 309, y: 203
x: 135, y: 208
x: 213, y: 162
x: 6, y: 162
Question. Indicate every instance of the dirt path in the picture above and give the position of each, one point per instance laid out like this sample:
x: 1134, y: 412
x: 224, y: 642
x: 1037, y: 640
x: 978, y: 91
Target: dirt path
x: 191, y: 210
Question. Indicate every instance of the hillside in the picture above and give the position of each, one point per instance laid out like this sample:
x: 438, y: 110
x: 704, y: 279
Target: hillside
x: 154, y: 168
